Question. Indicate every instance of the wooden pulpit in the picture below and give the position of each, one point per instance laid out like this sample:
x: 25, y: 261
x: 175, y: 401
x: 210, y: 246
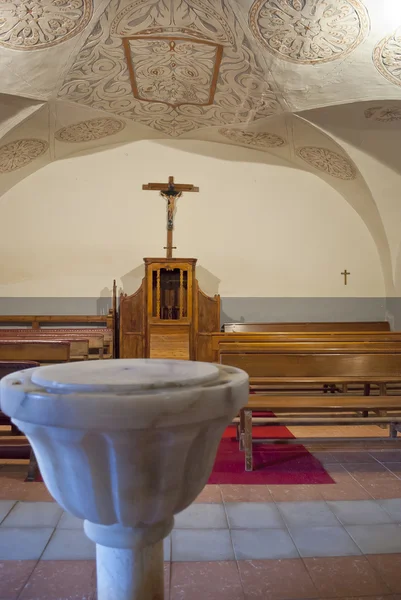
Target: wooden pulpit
x: 163, y: 317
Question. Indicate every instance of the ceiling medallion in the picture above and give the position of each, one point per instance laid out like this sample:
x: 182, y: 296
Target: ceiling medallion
x: 259, y: 141
x: 173, y: 70
x: 36, y: 24
x: 384, y: 114
x: 308, y: 32
x: 86, y: 131
x: 387, y: 57
x: 328, y: 161
x: 20, y: 153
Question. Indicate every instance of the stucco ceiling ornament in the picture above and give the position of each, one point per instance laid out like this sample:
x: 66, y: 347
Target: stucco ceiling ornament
x: 309, y: 31
x: 36, y: 24
x: 174, y: 70
x: 328, y: 161
x: 87, y: 131
x: 384, y: 114
x: 20, y: 153
x: 260, y: 141
x: 387, y: 57
x: 102, y: 74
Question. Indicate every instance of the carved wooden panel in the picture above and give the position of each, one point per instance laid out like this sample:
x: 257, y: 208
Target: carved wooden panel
x: 132, y: 324
x: 204, y: 351
x: 133, y: 345
x: 170, y: 342
x: 208, y: 312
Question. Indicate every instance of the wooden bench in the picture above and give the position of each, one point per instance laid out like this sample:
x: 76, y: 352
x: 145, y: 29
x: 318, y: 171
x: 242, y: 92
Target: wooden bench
x: 100, y: 343
x: 16, y: 445
x: 37, y: 350
x: 285, y: 367
x: 311, y: 409
x: 208, y: 344
x: 350, y: 326
x: 79, y: 345
x: 89, y: 324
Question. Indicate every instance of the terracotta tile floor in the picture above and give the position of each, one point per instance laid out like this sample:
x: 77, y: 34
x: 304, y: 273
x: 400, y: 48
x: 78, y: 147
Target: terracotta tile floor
x: 369, y: 479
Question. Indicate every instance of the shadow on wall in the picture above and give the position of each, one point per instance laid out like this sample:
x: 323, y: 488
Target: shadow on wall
x: 104, y: 302
x: 394, y: 303
x: 132, y: 281
x: 208, y: 283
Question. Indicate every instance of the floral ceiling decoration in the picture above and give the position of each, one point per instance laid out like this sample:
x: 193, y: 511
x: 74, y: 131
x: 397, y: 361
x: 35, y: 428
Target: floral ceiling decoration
x: 384, y: 114
x: 20, y: 153
x: 37, y: 24
x: 327, y: 161
x: 309, y: 32
x: 387, y: 57
x: 173, y: 71
x: 260, y: 141
x: 87, y: 131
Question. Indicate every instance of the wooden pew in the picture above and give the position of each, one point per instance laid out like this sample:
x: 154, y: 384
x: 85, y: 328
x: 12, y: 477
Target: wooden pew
x: 294, y: 364
x: 90, y: 324
x: 95, y: 341
x: 100, y: 339
x: 37, y: 350
x: 79, y: 345
x: 208, y: 344
x: 16, y: 445
x: 283, y: 327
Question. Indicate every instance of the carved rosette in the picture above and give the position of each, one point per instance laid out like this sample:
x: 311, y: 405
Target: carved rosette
x: 309, y: 32
x: 87, y: 131
x: 36, y: 24
x: 259, y: 141
x: 384, y: 114
x: 20, y: 153
x: 327, y: 161
x: 387, y: 57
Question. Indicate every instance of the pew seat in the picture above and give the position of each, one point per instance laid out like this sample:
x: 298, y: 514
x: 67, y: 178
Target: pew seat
x: 317, y: 410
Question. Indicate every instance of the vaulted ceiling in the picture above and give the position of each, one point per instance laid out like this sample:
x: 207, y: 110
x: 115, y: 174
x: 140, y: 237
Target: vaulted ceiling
x: 85, y: 73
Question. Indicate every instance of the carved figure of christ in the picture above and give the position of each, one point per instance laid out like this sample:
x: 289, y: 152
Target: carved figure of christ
x: 171, y: 192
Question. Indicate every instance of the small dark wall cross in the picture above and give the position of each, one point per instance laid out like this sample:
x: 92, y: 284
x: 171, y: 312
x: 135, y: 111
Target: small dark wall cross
x: 345, y: 273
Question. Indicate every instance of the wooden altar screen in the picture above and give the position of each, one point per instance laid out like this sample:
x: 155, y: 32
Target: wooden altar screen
x: 163, y: 317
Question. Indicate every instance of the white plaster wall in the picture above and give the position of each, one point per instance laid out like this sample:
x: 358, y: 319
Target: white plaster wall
x: 256, y: 229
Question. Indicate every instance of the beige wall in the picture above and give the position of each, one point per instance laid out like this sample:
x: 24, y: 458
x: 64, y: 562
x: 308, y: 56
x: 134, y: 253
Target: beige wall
x: 257, y: 229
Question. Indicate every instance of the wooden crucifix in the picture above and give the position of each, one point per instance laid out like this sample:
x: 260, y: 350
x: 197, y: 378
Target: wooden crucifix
x: 345, y: 273
x: 171, y: 192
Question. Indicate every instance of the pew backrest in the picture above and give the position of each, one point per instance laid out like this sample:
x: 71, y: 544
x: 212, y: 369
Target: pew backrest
x: 350, y: 326
x: 45, y: 351
x: 208, y: 344
x: 96, y: 340
x: 332, y: 363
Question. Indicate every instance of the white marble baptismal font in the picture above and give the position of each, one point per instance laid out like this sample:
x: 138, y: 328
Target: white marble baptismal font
x: 125, y: 444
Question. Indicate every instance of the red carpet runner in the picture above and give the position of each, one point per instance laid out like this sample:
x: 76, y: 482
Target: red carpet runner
x: 286, y: 465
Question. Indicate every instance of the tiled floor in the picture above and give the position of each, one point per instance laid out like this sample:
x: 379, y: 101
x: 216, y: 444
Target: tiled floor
x: 340, y: 540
